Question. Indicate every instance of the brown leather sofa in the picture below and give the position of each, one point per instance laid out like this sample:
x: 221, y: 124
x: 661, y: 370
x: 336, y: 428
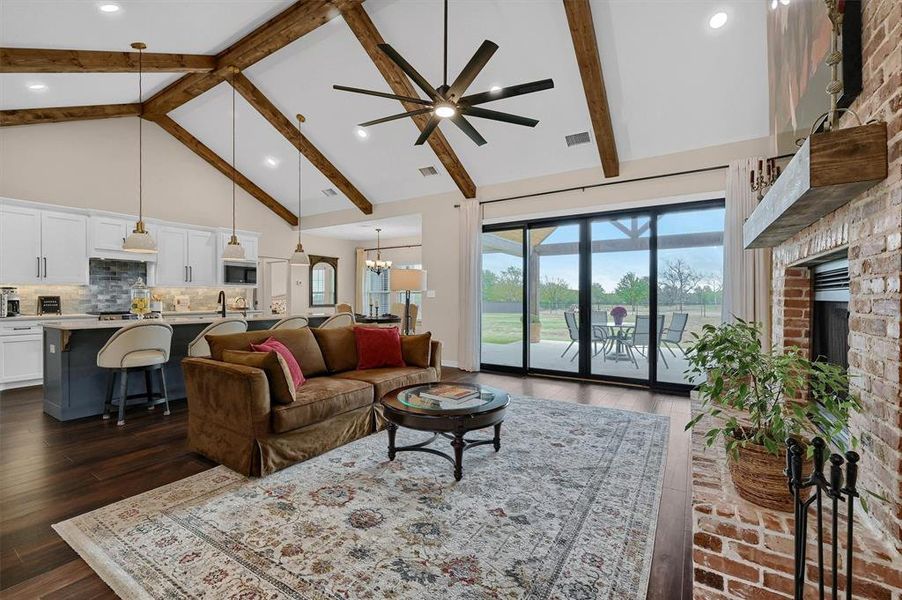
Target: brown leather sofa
x: 233, y: 420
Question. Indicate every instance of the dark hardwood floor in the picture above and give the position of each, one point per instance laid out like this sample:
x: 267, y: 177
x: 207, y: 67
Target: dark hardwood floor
x: 51, y: 471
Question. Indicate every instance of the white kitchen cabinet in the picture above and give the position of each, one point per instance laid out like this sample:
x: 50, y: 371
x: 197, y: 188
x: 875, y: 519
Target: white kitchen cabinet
x: 108, y: 233
x: 21, y: 354
x: 248, y: 242
x: 20, y: 245
x: 64, y: 242
x: 202, y: 258
x: 42, y: 246
x: 172, y: 257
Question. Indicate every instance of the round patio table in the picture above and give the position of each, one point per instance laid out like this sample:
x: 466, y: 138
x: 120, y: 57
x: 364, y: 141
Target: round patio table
x: 623, y: 331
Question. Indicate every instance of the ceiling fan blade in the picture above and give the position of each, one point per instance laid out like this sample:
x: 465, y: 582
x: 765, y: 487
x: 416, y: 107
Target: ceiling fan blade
x: 469, y: 72
x: 508, y: 92
x: 427, y: 130
x: 484, y: 113
x: 345, y: 88
x: 467, y: 128
x: 411, y: 113
x: 409, y: 70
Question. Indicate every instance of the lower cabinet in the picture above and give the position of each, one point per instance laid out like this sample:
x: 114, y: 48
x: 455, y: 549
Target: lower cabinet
x: 21, y: 355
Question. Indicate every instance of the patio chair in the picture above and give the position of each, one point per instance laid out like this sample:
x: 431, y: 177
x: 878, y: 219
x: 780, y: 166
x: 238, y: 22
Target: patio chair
x: 641, y: 336
x: 673, y: 335
x: 573, y: 329
x: 601, y: 333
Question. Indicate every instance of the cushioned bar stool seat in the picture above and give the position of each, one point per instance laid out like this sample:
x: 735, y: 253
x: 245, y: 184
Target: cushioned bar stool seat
x: 293, y: 322
x: 199, y: 347
x: 141, y: 346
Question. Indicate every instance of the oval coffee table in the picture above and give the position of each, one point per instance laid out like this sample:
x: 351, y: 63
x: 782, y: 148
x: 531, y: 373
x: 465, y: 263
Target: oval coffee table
x: 452, y: 419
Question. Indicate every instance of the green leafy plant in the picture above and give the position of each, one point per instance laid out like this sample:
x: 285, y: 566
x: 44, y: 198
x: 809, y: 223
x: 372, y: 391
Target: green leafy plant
x: 739, y: 375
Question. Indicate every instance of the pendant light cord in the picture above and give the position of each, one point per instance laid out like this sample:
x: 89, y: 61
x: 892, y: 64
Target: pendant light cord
x: 233, y: 153
x: 445, y: 71
x: 299, y: 179
x: 140, y: 136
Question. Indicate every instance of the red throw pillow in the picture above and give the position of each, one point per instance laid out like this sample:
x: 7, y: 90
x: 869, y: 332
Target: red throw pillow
x: 378, y: 347
x: 274, y: 345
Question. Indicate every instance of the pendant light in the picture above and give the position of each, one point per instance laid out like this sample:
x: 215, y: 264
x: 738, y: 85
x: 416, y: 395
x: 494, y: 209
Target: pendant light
x: 378, y: 266
x: 139, y: 241
x: 233, y: 250
x: 299, y: 257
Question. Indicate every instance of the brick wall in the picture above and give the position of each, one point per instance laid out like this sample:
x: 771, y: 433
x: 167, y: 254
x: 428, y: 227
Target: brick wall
x: 870, y: 226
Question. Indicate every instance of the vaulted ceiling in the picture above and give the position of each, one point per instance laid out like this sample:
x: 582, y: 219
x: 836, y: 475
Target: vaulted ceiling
x: 672, y: 83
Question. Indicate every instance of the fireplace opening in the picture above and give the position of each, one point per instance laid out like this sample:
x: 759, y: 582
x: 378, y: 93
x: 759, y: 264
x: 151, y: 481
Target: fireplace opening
x: 830, y: 317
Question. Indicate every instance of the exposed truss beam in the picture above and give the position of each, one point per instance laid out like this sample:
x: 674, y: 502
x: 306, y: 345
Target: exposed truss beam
x: 299, y: 19
x: 585, y: 44
x: 43, y: 60
x: 369, y: 37
x: 34, y: 116
x: 287, y: 128
x: 196, y: 146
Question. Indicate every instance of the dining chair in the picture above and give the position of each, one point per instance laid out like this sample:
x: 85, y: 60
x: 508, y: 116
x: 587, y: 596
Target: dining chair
x: 573, y: 330
x: 641, y: 336
x: 601, y: 333
x: 343, y: 308
x: 673, y: 335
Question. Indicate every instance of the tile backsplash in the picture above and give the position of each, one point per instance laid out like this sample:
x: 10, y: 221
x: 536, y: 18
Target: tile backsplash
x: 110, y: 281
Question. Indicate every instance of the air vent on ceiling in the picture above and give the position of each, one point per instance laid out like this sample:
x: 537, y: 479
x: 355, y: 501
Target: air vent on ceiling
x: 428, y: 171
x: 575, y: 139
x: 330, y: 192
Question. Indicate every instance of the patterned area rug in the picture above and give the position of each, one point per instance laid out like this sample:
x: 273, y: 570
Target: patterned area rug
x: 567, y: 510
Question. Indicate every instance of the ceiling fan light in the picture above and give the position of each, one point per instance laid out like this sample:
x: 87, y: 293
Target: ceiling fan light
x: 445, y: 110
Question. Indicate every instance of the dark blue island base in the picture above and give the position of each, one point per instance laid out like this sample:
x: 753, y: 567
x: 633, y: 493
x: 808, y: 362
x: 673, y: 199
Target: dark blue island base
x: 75, y: 387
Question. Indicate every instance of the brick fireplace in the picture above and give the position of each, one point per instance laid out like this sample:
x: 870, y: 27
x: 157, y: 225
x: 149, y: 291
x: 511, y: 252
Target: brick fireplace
x: 739, y: 550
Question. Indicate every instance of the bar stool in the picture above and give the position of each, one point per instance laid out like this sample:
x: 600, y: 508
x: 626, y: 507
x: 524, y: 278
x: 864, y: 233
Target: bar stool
x: 199, y: 348
x: 338, y: 320
x: 295, y: 322
x: 141, y: 346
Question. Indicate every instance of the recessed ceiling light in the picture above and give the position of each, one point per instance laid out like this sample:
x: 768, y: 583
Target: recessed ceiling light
x: 717, y: 20
x: 773, y: 4
x: 362, y: 133
x: 784, y: 2
x: 37, y: 87
x: 495, y: 88
x: 109, y: 7
x: 271, y: 162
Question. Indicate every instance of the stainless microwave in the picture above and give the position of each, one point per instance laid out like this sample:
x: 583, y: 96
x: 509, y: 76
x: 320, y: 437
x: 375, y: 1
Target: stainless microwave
x: 240, y: 274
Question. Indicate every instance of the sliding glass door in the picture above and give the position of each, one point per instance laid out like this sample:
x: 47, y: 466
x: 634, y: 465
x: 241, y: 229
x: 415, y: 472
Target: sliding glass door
x: 612, y: 296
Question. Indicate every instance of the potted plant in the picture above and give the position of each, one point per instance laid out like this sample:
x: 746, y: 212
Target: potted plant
x: 754, y: 397
x: 618, y: 313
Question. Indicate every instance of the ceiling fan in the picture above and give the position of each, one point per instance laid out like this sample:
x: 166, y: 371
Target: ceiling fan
x: 447, y: 101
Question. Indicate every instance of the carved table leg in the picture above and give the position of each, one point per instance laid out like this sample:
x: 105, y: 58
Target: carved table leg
x: 458, y: 444
x: 392, y: 429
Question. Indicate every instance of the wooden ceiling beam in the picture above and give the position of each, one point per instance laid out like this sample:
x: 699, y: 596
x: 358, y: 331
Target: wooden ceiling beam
x: 289, y: 130
x: 585, y: 44
x: 369, y: 37
x: 42, y: 60
x: 196, y: 146
x: 35, y: 116
x: 289, y: 25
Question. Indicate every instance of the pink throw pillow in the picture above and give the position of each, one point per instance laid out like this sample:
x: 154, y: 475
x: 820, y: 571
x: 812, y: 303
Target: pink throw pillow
x: 274, y: 345
x: 378, y: 347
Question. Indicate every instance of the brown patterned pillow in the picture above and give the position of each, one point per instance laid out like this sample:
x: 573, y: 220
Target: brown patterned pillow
x: 277, y: 374
x: 415, y: 349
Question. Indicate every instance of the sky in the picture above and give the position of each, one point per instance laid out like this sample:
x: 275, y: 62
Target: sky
x: 609, y: 267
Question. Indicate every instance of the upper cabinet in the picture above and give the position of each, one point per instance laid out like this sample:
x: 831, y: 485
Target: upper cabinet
x: 187, y: 257
x: 42, y: 246
x: 248, y: 242
x: 202, y: 258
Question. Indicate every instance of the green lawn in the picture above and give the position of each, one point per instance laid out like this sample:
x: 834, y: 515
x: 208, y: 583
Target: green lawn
x: 505, y: 328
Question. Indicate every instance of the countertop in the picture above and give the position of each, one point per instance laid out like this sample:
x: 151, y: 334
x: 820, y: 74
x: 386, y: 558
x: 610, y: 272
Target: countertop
x: 87, y: 317
x: 81, y: 324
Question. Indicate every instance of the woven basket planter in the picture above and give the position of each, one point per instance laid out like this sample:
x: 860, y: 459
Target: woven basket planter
x: 759, y: 477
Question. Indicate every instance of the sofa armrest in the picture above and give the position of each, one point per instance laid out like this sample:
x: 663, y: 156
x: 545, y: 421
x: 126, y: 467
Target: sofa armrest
x: 232, y: 397
x: 435, y: 360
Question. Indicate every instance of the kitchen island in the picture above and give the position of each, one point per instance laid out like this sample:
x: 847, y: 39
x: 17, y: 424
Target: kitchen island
x: 75, y: 387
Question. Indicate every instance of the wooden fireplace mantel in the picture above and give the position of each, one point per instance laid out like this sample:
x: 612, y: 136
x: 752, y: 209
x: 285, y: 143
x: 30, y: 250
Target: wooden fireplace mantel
x: 828, y: 171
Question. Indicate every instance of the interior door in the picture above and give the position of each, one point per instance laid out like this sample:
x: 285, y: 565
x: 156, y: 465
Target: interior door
x: 20, y: 245
x: 202, y: 258
x: 64, y: 242
x: 172, y: 257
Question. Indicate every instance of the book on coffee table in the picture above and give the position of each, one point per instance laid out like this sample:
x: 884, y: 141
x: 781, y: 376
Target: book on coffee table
x: 449, y: 393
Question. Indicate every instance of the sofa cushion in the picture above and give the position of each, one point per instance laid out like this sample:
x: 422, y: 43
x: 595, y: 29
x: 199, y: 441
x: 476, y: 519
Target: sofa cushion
x: 300, y: 342
x: 388, y: 379
x: 378, y: 347
x: 339, y: 348
x: 415, y: 349
x: 319, y: 399
x: 278, y: 375
x: 294, y: 369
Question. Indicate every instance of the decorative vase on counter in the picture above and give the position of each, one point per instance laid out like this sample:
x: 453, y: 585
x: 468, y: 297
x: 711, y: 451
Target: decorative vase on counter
x: 140, y: 295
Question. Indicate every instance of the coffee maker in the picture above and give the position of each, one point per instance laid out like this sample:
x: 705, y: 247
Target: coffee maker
x: 9, y: 302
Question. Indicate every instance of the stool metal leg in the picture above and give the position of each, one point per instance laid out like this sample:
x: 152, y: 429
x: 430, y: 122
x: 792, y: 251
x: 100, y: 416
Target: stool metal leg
x: 165, y: 393
x: 110, y: 386
x: 123, y: 396
x: 148, y: 386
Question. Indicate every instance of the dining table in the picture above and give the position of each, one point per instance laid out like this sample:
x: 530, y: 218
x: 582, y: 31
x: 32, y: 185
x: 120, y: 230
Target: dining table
x: 620, y: 332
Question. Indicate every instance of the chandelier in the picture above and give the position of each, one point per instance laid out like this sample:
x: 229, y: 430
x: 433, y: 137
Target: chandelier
x: 378, y: 266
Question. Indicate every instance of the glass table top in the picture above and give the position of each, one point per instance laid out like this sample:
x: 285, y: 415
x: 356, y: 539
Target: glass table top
x: 452, y: 397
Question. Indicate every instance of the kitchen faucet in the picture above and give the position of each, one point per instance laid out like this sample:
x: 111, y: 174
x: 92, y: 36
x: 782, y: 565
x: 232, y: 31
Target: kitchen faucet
x: 222, y: 301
